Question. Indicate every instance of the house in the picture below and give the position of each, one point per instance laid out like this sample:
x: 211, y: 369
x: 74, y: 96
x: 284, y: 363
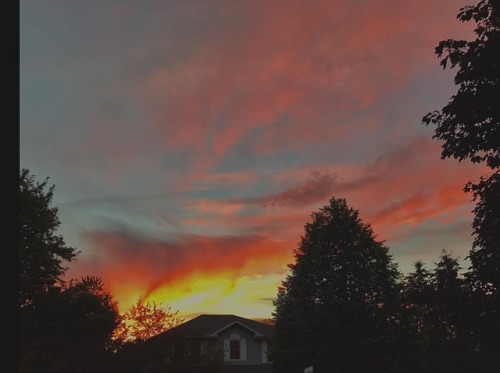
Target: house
x: 235, y: 343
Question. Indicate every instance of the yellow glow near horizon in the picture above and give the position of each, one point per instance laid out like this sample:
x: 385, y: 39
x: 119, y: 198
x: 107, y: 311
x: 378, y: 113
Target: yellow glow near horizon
x: 246, y: 296
x: 127, y: 296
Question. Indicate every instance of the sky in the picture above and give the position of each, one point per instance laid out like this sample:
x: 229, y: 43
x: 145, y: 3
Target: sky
x: 190, y: 141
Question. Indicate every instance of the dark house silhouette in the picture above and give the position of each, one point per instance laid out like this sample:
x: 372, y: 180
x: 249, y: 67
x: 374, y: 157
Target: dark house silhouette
x: 232, y: 343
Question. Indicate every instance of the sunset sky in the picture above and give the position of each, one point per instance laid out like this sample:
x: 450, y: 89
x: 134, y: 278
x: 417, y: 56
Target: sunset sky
x: 190, y: 141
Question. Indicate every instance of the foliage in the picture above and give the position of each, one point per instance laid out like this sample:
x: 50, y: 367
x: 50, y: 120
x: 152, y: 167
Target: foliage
x: 484, y: 275
x: 469, y: 125
x: 159, y: 351
x: 485, y: 253
x: 96, y: 314
x: 334, y: 308
x: 441, y: 316
x: 144, y: 320
x: 63, y: 326
x: 418, y: 287
x: 446, y: 303
x: 416, y: 302
x: 70, y: 330
x: 41, y: 250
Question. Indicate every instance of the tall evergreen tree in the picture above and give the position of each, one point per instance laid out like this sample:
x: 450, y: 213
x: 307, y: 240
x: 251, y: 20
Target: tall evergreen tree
x: 418, y: 287
x: 437, y: 314
x: 41, y: 250
x: 417, y: 301
x: 335, y: 308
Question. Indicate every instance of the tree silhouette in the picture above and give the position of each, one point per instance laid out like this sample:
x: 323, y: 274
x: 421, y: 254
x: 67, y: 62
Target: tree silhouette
x: 334, y: 309
x: 64, y: 326
x: 485, y: 252
x: 445, y: 315
x: 70, y: 330
x: 417, y: 302
x: 418, y: 286
x: 41, y: 250
x: 146, y: 319
x: 469, y: 126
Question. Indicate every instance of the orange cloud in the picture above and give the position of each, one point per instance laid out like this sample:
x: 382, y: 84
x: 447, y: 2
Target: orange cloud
x: 131, y: 265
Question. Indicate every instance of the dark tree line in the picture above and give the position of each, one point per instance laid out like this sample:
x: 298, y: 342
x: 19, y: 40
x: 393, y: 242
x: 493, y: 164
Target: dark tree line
x: 64, y: 326
x: 345, y: 307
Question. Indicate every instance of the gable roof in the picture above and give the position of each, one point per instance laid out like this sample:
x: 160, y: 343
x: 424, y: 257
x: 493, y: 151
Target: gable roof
x: 211, y: 325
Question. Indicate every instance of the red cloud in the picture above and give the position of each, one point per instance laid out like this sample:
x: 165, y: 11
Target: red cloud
x: 124, y: 259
